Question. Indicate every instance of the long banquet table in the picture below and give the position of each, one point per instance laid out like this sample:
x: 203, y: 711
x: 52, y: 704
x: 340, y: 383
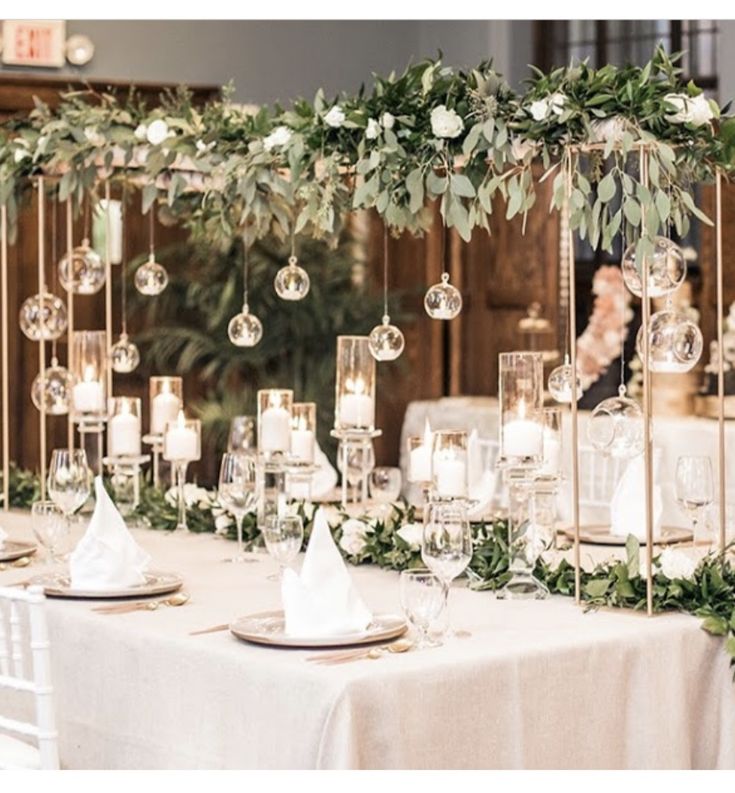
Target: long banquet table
x: 537, y: 685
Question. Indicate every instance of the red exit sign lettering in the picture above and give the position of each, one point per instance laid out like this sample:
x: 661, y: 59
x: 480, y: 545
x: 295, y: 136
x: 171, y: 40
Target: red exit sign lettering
x: 33, y: 42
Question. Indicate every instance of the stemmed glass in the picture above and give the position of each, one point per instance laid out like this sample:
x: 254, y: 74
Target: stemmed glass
x: 385, y: 484
x: 694, y: 487
x: 237, y: 491
x: 68, y: 481
x: 423, y: 598
x: 50, y: 528
x: 447, y: 544
x: 283, y: 537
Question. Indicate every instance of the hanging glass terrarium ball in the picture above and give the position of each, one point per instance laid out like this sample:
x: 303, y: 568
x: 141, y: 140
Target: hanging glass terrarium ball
x: 292, y: 281
x: 151, y: 278
x: 43, y: 315
x: 560, y: 383
x: 675, y: 342
x: 667, y: 269
x: 615, y: 427
x: 53, y: 390
x: 124, y: 355
x: 82, y: 272
x: 386, y: 341
x: 443, y: 301
x: 245, y: 329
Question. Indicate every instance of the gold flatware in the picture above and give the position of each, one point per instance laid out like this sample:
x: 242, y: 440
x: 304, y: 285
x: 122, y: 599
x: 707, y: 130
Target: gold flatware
x: 24, y: 561
x: 177, y: 599
x: 378, y: 651
x: 213, y: 629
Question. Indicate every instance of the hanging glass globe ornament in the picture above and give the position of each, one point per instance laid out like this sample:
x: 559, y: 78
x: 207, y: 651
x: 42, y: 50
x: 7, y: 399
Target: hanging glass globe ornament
x: 675, y: 342
x: 443, y: 301
x: 292, y: 281
x: 82, y: 273
x: 53, y: 390
x: 151, y: 278
x: 386, y: 341
x: 245, y: 329
x: 615, y: 427
x: 560, y: 383
x: 43, y: 316
x: 667, y: 269
x: 124, y: 355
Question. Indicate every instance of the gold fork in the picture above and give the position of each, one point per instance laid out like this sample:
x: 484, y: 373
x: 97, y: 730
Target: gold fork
x: 178, y: 599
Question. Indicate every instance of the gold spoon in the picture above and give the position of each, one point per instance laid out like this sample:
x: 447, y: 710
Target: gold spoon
x: 399, y: 646
x: 177, y: 599
x: 24, y: 561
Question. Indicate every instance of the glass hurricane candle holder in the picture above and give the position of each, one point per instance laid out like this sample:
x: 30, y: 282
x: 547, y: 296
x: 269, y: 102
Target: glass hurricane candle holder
x: 354, y: 407
x: 274, y: 421
x: 449, y: 464
x: 89, y: 394
x: 552, y: 459
x: 521, y: 394
x: 181, y: 446
x: 241, y: 437
x: 166, y: 400
x: 124, y: 427
x: 303, y: 432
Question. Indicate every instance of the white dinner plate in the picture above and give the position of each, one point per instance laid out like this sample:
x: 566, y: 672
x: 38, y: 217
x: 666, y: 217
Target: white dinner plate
x: 12, y: 550
x: 156, y: 583
x: 267, y: 627
x: 601, y: 535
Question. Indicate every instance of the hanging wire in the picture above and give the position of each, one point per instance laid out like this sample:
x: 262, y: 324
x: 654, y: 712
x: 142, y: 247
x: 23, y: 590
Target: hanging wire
x: 151, y: 232
x: 292, y: 257
x: 386, y: 318
x: 245, y: 268
x: 123, y: 264
x: 622, y: 313
x: 54, y: 264
x: 87, y: 213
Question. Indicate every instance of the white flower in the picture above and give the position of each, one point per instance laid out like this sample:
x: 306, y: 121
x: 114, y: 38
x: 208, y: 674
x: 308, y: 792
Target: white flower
x: 203, y: 147
x: 353, y: 538
x: 279, y: 137
x: 335, y: 117
x: 240, y: 109
x: 676, y: 564
x: 520, y: 147
x: 141, y: 132
x: 557, y: 101
x: 539, y: 109
x: 388, y: 120
x: 157, y: 132
x: 222, y: 523
x: 94, y: 137
x: 542, y: 108
x: 445, y: 123
x: 413, y: 534
x: 606, y: 129
x: 20, y: 154
x: 193, y: 495
x: 373, y: 129
x: 694, y: 110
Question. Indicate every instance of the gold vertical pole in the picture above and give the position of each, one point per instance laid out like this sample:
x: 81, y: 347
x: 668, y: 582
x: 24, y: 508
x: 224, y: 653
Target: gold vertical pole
x: 108, y: 288
x: 5, y: 332
x: 647, y: 450
x: 42, y: 341
x: 720, y: 368
x: 70, y: 317
x: 573, y: 363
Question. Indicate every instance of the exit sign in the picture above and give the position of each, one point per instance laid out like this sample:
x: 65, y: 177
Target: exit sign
x: 38, y: 42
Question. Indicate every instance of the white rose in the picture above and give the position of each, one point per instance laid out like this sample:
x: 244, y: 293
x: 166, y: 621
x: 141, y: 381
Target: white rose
x: 373, y: 129
x: 157, y: 132
x: 445, y: 123
x: 413, y: 534
x: 607, y: 129
x: 388, y: 120
x: 222, y: 523
x: 520, y: 147
x: 240, y: 109
x: 676, y: 564
x: 20, y: 154
x: 335, y: 117
x: 94, y: 137
x: 557, y: 101
x: 539, y: 109
x: 701, y: 110
x: 141, y: 132
x: 280, y: 136
x: 353, y: 538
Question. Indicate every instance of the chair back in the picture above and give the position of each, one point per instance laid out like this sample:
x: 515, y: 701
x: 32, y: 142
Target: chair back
x: 599, y: 475
x: 25, y: 666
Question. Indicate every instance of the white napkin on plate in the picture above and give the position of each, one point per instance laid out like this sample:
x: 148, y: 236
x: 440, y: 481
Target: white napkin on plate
x: 628, y: 505
x: 107, y: 556
x: 325, y: 479
x: 322, y: 601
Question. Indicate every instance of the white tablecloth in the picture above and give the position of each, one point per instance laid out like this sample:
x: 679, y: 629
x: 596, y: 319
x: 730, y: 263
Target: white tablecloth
x: 538, y: 684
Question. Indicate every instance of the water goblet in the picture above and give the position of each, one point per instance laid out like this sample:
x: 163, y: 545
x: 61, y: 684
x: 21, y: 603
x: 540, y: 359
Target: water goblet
x: 237, y: 492
x: 385, y: 484
x: 50, y: 528
x: 283, y: 537
x: 694, y: 488
x: 423, y: 598
x: 68, y: 481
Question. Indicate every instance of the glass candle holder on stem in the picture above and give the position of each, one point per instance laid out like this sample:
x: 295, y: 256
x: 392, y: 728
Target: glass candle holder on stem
x: 274, y: 421
x: 419, y: 464
x: 89, y: 394
x: 449, y: 464
x: 551, y: 466
x: 181, y: 446
x: 166, y: 400
x: 123, y: 428
x: 303, y: 432
x: 354, y: 406
x: 520, y: 392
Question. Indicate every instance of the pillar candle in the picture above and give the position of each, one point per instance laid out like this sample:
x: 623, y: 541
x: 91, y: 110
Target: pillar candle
x: 275, y: 430
x: 522, y: 438
x: 123, y: 435
x: 302, y: 445
x: 450, y: 477
x: 357, y: 410
x: 88, y: 396
x: 181, y: 442
x: 164, y: 408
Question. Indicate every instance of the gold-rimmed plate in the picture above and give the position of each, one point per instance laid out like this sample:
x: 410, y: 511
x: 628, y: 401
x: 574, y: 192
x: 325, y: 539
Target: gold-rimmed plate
x: 12, y: 550
x: 58, y: 585
x: 268, y: 627
x: 601, y: 535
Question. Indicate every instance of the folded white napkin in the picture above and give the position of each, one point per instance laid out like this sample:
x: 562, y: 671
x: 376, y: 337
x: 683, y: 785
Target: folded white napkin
x: 322, y: 601
x: 107, y: 556
x: 325, y: 479
x: 628, y: 505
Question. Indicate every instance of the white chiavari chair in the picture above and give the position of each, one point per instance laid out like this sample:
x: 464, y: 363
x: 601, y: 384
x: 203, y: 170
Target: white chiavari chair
x: 25, y: 667
x: 598, y: 476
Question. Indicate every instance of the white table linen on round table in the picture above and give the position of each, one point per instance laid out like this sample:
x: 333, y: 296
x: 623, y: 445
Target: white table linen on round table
x: 538, y: 684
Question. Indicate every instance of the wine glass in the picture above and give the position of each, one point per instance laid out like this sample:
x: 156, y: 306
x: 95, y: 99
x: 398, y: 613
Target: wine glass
x: 283, y: 537
x: 385, y: 484
x: 694, y: 488
x: 68, y: 481
x: 237, y: 491
x: 447, y: 543
x: 242, y: 435
x: 423, y: 598
x: 50, y: 528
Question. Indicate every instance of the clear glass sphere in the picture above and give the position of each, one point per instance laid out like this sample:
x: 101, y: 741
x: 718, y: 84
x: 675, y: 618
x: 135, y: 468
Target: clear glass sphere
x: 82, y: 273
x: 151, y: 278
x: 292, y: 282
x: 245, y: 329
x: 43, y: 315
x: 667, y: 269
x: 615, y: 427
x: 675, y: 342
x: 386, y: 341
x: 560, y: 384
x: 443, y: 301
x: 54, y: 390
x: 124, y: 355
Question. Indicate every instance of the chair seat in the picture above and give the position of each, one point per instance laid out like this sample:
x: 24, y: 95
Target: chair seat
x: 18, y: 755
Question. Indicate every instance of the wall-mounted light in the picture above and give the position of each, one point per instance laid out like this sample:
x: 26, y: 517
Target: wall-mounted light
x: 79, y: 49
